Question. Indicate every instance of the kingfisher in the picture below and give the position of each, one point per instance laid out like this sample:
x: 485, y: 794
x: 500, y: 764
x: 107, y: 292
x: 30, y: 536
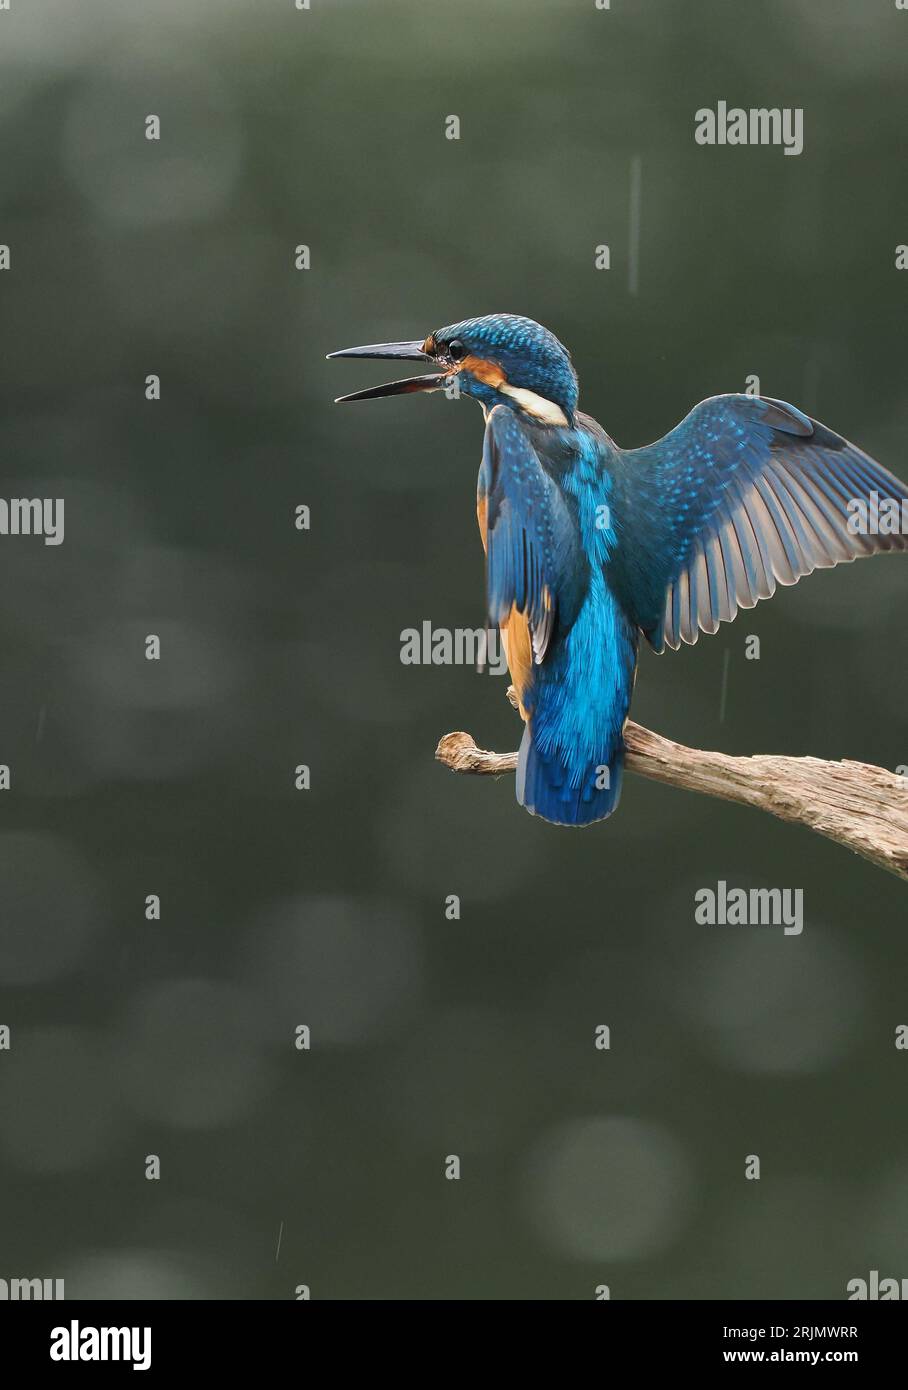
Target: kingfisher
x: 591, y: 547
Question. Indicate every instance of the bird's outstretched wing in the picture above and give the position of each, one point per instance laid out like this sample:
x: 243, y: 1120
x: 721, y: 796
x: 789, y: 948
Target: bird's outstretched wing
x: 534, y: 560
x: 746, y: 492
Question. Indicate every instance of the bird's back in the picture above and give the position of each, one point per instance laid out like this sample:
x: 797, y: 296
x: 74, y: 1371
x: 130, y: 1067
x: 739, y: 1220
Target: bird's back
x: 576, y: 696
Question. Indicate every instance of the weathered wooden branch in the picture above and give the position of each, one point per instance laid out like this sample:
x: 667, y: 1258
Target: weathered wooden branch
x: 862, y: 807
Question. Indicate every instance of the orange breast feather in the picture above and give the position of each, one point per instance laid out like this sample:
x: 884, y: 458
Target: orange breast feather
x: 515, y: 631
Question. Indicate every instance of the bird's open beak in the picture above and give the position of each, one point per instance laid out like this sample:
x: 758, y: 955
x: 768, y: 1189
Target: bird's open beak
x: 407, y: 352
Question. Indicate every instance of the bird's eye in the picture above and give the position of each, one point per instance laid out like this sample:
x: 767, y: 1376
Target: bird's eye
x: 457, y: 350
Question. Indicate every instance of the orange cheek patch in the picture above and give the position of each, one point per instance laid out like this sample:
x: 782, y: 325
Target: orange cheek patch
x: 489, y: 373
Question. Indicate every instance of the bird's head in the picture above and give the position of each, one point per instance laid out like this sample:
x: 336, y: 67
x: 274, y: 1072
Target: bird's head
x: 500, y: 359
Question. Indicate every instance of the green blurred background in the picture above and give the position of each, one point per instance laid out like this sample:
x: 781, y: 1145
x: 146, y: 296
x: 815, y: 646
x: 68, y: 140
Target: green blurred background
x: 429, y: 1037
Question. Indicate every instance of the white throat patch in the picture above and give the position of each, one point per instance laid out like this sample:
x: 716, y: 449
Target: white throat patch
x: 537, y: 406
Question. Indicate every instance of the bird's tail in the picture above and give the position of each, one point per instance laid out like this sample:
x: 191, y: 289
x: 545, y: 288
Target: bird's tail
x: 548, y: 789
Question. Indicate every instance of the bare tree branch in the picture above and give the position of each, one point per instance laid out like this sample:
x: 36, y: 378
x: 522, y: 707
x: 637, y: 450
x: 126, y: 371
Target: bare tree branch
x: 862, y: 807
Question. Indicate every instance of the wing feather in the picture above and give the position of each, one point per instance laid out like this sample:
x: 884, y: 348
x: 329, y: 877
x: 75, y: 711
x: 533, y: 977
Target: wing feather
x: 746, y: 493
x: 534, y: 561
